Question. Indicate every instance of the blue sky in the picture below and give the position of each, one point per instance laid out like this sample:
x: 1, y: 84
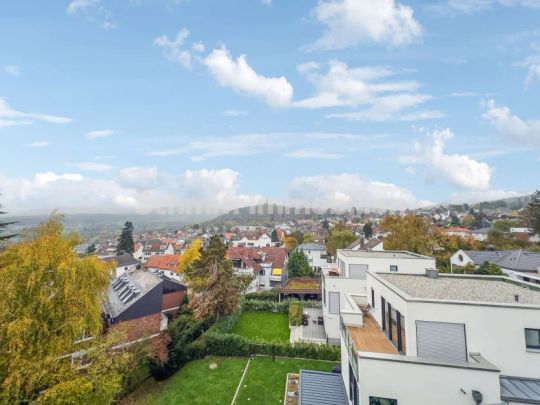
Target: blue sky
x: 109, y: 106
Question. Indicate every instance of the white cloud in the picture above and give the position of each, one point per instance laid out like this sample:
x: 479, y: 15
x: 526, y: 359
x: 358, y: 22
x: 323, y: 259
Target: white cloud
x: 172, y: 49
x: 241, y: 77
x: 352, y: 22
x: 532, y: 63
x: 234, y: 113
x: 460, y: 170
x: 312, y: 154
x: 140, y: 177
x: 100, y: 133
x: 94, y: 166
x: 12, y: 70
x: 51, y: 177
x: 410, y: 170
x: 81, y: 5
x: 370, y: 87
x: 511, y: 125
x: 37, y: 144
x: 198, y: 46
x: 346, y: 190
x: 10, y: 117
x: 452, y: 7
x: 486, y: 195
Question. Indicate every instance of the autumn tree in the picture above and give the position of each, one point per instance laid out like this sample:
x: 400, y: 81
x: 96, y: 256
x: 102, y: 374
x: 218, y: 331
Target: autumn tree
x: 192, y: 253
x: 125, y: 240
x: 308, y: 238
x: 50, y: 300
x: 290, y: 243
x: 410, y: 233
x: 214, y: 284
x: 298, y: 265
x: 299, y: 236
x: 339, y: 238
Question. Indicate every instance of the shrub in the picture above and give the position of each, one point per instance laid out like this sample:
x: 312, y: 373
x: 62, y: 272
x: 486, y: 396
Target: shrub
x: 265, y: 306
x: 271, y: 295
x: 296, y: 310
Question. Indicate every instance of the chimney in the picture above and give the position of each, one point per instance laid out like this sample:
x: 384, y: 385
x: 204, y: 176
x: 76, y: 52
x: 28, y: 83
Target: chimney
x: 432, y: 273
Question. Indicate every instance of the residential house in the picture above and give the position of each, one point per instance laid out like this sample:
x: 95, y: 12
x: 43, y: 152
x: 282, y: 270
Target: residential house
x: 350, y: 277
x: 376, y: 245
x: 480, y: 234
x: 457, y: 231
x: 441, y: 339
x: 140, y: 301
x: 316, y: 254
x: 257, y: 241
x: 156, y: 248
x: 166, y: 265
x: 521, y: 264
x: 124, y: 264
x: 265, y: 264
x: 138, y: 251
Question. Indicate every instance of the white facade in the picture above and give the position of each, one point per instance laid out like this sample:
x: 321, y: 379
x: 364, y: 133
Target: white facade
x: 352, y: 268
x: 263, y: 241
x: 125, y: 269
x: 316, y: 255
x: 494, y: 344
x: 164, y: 249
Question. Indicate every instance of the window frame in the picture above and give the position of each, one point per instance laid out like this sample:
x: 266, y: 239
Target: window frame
x: 330, y: 302
x: 394, y: 266
x: 535, y: 347
x: 391, y: 400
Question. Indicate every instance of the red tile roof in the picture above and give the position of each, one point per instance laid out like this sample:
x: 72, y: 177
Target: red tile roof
x: 165, y: 262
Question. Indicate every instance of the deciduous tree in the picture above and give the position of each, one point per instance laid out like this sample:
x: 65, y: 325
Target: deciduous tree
x: 290, y: 243
x: 368, y: 230
x: 339, y: 238
x: 192, y: 253
x: 533, y: 212
x: 410, y: 232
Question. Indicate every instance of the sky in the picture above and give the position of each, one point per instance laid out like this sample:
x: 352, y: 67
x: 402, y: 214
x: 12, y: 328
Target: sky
x: 132, y: 105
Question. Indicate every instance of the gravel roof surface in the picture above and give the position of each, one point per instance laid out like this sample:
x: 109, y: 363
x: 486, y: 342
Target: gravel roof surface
x: 463, y: 289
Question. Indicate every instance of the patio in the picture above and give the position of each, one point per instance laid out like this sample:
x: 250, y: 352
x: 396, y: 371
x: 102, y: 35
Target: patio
x: 313, y: 331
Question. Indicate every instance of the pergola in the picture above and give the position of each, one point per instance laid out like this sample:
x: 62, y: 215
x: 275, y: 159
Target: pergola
x: 302, y: 288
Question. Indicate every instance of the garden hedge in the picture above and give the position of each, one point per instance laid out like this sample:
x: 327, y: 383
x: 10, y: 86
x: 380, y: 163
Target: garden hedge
x: 296, y: 310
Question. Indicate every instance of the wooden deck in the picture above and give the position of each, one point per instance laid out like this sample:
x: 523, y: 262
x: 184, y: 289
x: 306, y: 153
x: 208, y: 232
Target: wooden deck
x: 370, y: 338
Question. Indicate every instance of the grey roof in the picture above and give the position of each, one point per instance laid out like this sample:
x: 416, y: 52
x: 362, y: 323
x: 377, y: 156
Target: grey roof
x: 465, y: 288
x: 320, y: 388
x: 519, y: 389
x: 517, y: 260
x: 125, y: 260
x: 383, y: 254
x: 127, y: 289
x: 311, y: 246
x: 370, y: 244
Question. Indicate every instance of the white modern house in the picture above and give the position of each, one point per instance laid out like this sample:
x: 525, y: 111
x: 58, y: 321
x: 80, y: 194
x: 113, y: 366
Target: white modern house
x: 441, y: 339
x: 263, y: 240
x: 350, y: 278
x: 316, y: 254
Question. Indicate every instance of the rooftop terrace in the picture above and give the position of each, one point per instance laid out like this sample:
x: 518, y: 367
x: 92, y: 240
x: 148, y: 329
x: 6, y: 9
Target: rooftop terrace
x: 370, y: 338
x: 464, y: 288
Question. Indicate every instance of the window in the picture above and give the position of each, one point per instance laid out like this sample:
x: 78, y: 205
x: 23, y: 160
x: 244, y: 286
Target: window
x: 333, y: 297
x: 382, y: 401
x: 393, y: 267
x: 532, y: 338
x: 372, y: 298
x: 261, y: 272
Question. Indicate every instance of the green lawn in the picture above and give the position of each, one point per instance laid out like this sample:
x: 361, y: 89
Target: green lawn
x: 197, y: 384
x: 263, y: 325
x: 265, y: 380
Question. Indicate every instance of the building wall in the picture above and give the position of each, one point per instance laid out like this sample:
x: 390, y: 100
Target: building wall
x: 496, y: 332
x: 137, y: 328
x: 376, y: 264
x: 172, y: 300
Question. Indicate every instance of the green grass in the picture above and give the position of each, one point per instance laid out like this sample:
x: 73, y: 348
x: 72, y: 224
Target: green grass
x: 263, y: 325
x: 197, y: 384
x: 265, y: 380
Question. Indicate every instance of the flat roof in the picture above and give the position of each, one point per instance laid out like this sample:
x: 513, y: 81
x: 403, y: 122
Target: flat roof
x: 464, y: 288
x: 383, y: 254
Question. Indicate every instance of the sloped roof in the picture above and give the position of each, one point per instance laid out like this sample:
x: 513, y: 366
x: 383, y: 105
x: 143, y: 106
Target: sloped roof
x: 518, y: 389
x: 154, y: 246
x: 165, y: 262
x: 125, y: 260
x: 321, y: 388
x: 311, y: 246
x: 518, y: 260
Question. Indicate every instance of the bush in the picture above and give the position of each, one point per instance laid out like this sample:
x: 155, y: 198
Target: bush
x: 265, y: 306
x: 271, y: 295
x: 296, y: 310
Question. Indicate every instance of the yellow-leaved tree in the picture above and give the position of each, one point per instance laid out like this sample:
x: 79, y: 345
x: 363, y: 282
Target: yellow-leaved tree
x: 192, y: 253
x: 50, y: 300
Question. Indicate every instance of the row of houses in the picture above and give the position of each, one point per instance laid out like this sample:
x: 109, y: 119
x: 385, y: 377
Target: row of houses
x: 410, y: 335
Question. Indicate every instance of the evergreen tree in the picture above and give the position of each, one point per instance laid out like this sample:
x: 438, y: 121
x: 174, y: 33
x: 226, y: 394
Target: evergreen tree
x: 274, y: 236
x: 215, y: 286
x: 125, y: 241
x: 533, y: 211
x: 298, y: 265
x: 4, y: 225
x: 368, y: 230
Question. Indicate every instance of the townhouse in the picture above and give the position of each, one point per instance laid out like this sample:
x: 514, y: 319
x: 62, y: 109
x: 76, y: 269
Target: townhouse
x: 257, y: 241
x: 441, y: 339
x: 350, y: 277
x: 156, y: 248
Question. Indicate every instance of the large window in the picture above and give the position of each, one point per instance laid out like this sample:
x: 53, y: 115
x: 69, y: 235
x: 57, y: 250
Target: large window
x: 372, y: 298
x: 333, y: 298
x: 532, y: 338
x: 382, y: 401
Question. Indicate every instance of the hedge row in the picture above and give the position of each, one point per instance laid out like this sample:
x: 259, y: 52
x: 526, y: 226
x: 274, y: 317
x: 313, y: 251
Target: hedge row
x: 265, y: 306
x: 271, y: 295
x: 228, y: 344
x: 296, y: 310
